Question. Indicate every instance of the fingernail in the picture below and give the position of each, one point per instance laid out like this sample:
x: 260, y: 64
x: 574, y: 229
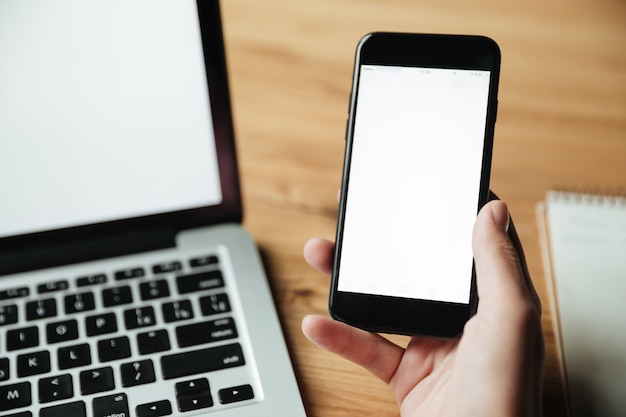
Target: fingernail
x: 501, y: 215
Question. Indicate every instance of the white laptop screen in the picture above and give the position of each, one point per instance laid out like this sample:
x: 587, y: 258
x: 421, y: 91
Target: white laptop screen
x: 104, y: 113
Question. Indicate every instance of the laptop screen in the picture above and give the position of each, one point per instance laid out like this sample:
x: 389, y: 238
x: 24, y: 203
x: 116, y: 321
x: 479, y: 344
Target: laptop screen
x: 105, y: 113
x: 115, y: 122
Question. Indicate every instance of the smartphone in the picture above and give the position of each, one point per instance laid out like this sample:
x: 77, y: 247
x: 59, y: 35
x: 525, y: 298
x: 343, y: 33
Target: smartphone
x: 419, y: 142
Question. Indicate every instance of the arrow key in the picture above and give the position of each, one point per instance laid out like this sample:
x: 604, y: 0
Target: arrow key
x: 199, y: 386
x: 193, y: 394
x: 194, y: 402
x: 55, y: 388
x: 155, y: 409
x: 236, y: 394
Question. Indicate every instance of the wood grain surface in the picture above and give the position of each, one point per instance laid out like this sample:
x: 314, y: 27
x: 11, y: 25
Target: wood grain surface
x: 561, y: 123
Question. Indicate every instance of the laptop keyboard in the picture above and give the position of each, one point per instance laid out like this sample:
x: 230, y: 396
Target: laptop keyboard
x: 146, y: 341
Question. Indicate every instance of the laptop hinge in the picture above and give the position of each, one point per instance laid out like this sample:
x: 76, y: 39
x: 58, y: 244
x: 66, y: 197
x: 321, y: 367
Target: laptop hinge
x: 85, y: 249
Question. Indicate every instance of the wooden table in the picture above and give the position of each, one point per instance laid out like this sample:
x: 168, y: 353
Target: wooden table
x: 561, y: 122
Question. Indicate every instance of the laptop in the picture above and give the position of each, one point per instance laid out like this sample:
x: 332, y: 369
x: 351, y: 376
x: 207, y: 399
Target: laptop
x: 128, y: 286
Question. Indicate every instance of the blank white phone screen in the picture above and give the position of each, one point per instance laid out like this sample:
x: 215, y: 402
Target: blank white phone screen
x: 414, y: 182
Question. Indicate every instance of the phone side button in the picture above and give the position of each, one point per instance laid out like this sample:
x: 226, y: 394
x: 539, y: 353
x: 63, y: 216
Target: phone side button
x: 495, y: 116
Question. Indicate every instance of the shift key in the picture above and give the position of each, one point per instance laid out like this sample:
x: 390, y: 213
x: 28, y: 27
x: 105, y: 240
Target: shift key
x: 201, y: 361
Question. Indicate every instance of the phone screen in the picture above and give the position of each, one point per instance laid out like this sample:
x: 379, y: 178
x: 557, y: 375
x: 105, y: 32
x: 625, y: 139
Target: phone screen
x: 414, y: 180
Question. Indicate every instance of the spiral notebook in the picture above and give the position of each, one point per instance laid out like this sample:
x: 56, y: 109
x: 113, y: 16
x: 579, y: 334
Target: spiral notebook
x: 583, y: 240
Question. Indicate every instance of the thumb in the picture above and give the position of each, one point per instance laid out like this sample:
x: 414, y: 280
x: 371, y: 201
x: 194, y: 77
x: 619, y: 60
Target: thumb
x: 499, y: 276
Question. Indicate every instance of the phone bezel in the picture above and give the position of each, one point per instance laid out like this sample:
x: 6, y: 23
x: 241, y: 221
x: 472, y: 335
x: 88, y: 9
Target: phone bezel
x: 390, y: 314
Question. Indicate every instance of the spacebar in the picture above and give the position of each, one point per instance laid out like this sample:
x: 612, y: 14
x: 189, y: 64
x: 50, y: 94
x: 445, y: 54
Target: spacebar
x: 203, y: 360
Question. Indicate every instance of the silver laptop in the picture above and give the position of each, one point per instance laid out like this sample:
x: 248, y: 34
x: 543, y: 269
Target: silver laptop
x: 127, y: 284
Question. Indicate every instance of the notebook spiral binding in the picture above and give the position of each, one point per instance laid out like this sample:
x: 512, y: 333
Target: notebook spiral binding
x: 611, y: 196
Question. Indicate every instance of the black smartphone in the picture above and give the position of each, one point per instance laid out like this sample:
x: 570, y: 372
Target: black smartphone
x: 419, y: 141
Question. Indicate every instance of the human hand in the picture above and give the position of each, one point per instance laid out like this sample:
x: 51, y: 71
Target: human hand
x: 494, y: 369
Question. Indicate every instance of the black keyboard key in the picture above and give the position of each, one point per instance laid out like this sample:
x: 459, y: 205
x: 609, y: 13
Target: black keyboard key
x: 139, y: 317
x: 201, y: 361
x: 137, y: 373
x: 154, y: 341
x: 101, y: 324
x: 111, y: 405
x: 55, y: 388
x: 74, y: 356
x: 130, y: 273
x: 33, y: 363
x: 154, y: 409
x: 41, y: 309
x: 154, y: 289
x: 4, y: 369
x: 206, y: 332
x: 22, y: 338
x: 62, y: 331
x: 235, y: 394
x: 14, y: 293
x: 8, y: 314
x: 76, y: 303
x: 113, y: 349
x: 166, y: 267
x: 192, y: 387
x: 203, y: 261
x: 177, y: 310
x: 214, y: 304
x: 52, y: 286
x: 15, y: 396
x: 200, y: 281
x: 91, y: 280
x: 75, y: 409
x: 117, y: 296
x: 195, y: 403
x: 193, y: 395
x: 96, y: 380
